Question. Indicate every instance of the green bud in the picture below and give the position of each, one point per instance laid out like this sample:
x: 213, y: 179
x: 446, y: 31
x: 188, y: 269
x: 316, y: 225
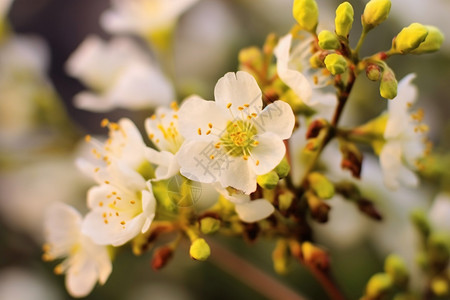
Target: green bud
x: 280, y: 257
x: 439, y: 249
x: 420, y: 221
x: 321, y: 186
x: 268, y: 181
x: 440, y: 287
x: 373, y: 72
x: 283, y: 168
x: 199, y: 249
x: 432, y: 42
x: 306, y: 13
x: 251, y: 56
x: 410, y: 38
x: 395, y: 267
x: 388, y: 84
x: 375, y: 12
x: 344, y: 19
x: 285, y: 200
x: 316, y: 60
x: 335, y: 63
x: 209, y: 225
x: 378, y: 284
x: 328, y: 40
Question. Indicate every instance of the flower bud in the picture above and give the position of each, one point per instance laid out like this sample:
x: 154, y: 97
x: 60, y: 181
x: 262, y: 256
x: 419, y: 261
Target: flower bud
x: 199, y: 249
x: 316, y: 60
x: 280, y: 257
x: 283, y: 168
x: 344, y: 19
x: 378, y: 284
x: 335, y: 63
x: 285, y: 200
x: 251, y: 56
x: 440, y: 287
x: 395, y: 267
x: 439, y: 249
x: 161, y: 257
x: 351, y: 158
x: 388, y: 84
x: 321, y: 186
x: 306, y: 13
x: 410, y: 38
x: 268, y: 181
x: 368, y: 208
x: 375, y: 12
x: 315, y: 256
x: 315, y: 127
x: 373, y: 72
x: 319, y: 209
x: 209, y: 225
x: 328, y: 40
x: 432, y: 42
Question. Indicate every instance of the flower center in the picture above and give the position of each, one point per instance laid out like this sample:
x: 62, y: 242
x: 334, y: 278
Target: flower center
x: 239, y: 138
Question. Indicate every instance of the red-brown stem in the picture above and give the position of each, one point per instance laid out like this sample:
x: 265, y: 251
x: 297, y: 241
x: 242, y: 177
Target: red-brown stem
x: 326, y: 281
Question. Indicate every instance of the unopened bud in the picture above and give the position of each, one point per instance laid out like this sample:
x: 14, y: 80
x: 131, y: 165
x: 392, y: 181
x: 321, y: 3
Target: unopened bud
x: 209, y: 225
x: 285, y: 200
x: 268, y: 181
x: 199, y: 249
x: 321, y: 186
x: 410, y: 38
x: 351, y: 158
x: 306, y: 13
x: 373, y: 72
x: 344, y: 19
x: 432, y: 42
x: 439, y: 249
x: 368, y: 208
x: 251, y: 56
x: 335, y: 63
x: 280, y: 257
x: 420, y: 221
x: 375, y: 12
x: 315, y: 127
x: 319, y: 209
x: 378, y: 284
x: 316, y: 60
x: 440, y: 287
x: 395, y: 267
x: 283, y: 168
x: 388, y: 84
x: 315, y: 256
x: 161, y: 257
x: 328, y: 40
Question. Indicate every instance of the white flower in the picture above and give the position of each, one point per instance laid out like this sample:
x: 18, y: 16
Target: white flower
x: 439, y: 213
x: 143, y: 16
x: 122, y: 205
x: 86, y: 262
x: 162, y: 129
x: 295, y: 71
x: 404, y: 138
x: 121, y: 208
x: 120, y: 74
x: 232, y: 140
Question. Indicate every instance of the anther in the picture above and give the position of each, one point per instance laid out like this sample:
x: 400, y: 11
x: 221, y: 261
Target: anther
x: 229, y: 105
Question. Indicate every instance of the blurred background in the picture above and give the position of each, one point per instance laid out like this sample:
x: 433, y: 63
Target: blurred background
x: 40, y: 137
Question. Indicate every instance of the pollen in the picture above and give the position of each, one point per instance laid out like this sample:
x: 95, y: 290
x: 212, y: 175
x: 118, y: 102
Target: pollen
x: 122, y: 223
x: 174, y: 106
x: 153, y: 117
x: 210, y: 125
x: 104, y: 122
x: 117, y: 214
x: 315, y: 79
x: 107, y: 182
x: 245, y: 157
x: 246, y: 105
x: 87, y: 138
x: 100, y: 204
x: 211, y: 156
x: 199, y: 131
x: 132, y: 202
x: 229, y: 105
x: 96, y: 169
x: 257, y: 163
x: 208, y: 132
x: 105, y: 221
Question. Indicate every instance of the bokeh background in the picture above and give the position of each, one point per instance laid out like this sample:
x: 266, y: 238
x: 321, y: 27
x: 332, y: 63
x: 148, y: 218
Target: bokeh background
x: 38, y: 168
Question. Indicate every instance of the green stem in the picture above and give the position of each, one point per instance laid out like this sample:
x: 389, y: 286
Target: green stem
x: 362, y: 37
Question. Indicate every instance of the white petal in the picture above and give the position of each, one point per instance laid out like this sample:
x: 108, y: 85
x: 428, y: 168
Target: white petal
x: 167, y: 163
x: 237, y: 173
x: 269, y: 153
x: 92, y: 102
x: 440, y: 211
x: 277, y: 118
x: 81, y: 279
x: 239, y: 89
x: 149, y: 208
x: 233, y: 195
x: 197, y: 113
x: 390, y: 160
x: 294, y: 79
x: 255, y: 210
x: 196, y: 164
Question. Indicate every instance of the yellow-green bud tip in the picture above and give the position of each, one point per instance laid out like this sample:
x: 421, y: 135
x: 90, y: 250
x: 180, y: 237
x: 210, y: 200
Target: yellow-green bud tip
x: 344, y: 19
x: 375, y: 12
x: 440, y: 287
x: 377, y: 285
x: 335, y: 63
x: 323, y: 188
x: 283, y: 168
x: 199, y: 250
x: 410, y: 38
x: 306, y: 13
x: 388, y: 84
x: 432, y: 42
x: 209, y: 225
x: 269, y: 180
x: 328, y: 40
x: 395, y: 267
